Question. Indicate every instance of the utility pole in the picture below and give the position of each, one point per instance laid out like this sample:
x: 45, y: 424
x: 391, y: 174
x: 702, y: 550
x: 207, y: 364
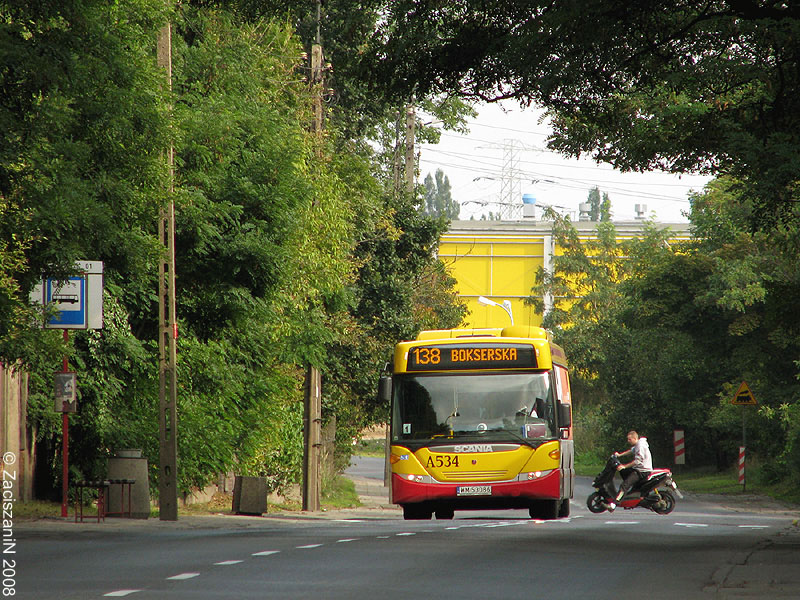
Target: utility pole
x: 317, y: 84
x: 317, y: 87
x: 312, y: 402
x: 396, y: 160
x: 167, y: 325
x: 410, y: 162
x: 312, y: 434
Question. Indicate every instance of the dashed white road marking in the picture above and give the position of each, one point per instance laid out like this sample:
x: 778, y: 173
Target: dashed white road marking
x: 189, y: 575
x: 182, y: 576
x: 348, y: 520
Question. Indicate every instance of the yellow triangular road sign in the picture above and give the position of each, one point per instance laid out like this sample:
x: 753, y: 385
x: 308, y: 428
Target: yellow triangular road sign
x: 744, y: 396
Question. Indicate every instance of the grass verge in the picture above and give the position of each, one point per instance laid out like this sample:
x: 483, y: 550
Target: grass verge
x: 371, y: 447
x: 340, y: 493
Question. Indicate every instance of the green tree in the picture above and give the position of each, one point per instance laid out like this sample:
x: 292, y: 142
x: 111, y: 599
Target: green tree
x: 289, y: 250
x: 637, y: 86
x: 82, y: 126
x: 81, y: 178
x: 578, y: 299
x: 628, y: 348
x: 438, y: 200
x: 754, y: 281
x: 661, y: 334
x: 601, y: 208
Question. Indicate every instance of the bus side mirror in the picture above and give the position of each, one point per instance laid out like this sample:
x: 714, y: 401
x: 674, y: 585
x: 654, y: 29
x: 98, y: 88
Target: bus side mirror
x: 564, y: 415
x: 385, y: 389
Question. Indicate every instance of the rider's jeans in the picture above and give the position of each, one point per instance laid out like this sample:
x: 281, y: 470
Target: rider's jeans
x: 630, y: 477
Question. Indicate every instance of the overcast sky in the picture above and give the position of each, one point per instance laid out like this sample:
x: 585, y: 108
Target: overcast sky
x: 475, y: 163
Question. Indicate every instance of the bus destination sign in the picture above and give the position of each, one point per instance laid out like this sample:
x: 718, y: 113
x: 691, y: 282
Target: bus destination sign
x: 454, y: 357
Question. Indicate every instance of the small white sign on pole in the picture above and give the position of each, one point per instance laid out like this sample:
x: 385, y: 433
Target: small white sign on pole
x: 66, y: 392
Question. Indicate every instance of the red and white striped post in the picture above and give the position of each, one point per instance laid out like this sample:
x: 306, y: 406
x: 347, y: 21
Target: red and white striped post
x: 741, y: 466
x: 680, y: 450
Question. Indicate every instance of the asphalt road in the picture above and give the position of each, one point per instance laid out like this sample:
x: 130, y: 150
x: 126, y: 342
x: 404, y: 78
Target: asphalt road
x: 693, y: 553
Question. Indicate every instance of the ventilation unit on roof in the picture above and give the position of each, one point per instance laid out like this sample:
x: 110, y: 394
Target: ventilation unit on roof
x: 528, y: 206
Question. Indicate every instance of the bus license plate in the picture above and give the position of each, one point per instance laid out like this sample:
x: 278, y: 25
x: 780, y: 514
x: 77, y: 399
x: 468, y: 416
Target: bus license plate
x: 474, y: 490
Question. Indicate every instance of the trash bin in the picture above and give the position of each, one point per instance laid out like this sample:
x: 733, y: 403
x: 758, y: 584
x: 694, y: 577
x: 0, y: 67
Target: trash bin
x: 249, y: 495
x: 129, y: 464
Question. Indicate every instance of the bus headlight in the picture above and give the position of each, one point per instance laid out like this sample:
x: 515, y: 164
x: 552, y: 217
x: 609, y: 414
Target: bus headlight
x: 534, y: 475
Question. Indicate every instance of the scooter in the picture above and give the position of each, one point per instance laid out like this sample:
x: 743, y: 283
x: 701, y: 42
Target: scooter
x: 648, y: 493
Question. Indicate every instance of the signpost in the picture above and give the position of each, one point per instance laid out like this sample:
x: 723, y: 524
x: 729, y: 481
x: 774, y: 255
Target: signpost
x: 680, y: 449
x: 78, y: 304
x: 743, y: 397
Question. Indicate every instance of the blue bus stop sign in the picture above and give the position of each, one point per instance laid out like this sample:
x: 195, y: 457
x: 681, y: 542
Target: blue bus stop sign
x: 69, y: 300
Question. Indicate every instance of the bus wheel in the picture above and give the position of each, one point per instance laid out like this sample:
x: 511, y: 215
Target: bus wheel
x: 412, y: 512
x: 563, y: 511
x: 445, y: 513
x: 546, y: 510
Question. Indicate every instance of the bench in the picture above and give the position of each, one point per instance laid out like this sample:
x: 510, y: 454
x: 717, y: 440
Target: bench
x: 103, y: 488
x: 100, y: 486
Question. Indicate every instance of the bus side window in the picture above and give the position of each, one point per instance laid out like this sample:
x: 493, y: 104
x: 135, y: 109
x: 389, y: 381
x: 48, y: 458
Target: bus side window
x: 564, y: 396
x: 562, y: 381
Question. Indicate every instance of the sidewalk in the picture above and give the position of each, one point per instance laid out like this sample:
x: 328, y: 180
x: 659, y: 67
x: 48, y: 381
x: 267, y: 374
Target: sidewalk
x: 373, y: 495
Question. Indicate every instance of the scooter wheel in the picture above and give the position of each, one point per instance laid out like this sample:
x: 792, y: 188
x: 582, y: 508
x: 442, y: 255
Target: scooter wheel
x: 667, y: 503
x: 595, y: 503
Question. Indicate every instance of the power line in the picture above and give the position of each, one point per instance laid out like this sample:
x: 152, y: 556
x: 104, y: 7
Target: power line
x: 570, y: 183
x: 471, y: 156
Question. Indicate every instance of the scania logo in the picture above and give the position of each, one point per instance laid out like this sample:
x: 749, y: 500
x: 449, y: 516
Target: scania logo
x: 473, y: 448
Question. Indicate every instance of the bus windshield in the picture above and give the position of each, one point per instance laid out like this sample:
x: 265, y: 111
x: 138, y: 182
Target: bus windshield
x: 499, y: 406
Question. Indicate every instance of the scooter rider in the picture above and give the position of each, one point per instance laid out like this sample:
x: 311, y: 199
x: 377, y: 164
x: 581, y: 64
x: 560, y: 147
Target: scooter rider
x: 636, y: 470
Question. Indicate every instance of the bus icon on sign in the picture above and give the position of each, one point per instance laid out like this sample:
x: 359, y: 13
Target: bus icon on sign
x: 66, y: 298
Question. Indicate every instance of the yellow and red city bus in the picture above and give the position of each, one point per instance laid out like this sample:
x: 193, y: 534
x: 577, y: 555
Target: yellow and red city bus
x: 480, y: 419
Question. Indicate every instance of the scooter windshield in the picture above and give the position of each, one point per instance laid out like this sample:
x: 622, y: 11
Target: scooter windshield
x: 508, y: 406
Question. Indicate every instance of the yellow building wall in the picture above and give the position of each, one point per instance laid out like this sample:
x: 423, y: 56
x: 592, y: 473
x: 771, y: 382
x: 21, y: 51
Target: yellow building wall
x: 498, y: 268
x: 499, y: 260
